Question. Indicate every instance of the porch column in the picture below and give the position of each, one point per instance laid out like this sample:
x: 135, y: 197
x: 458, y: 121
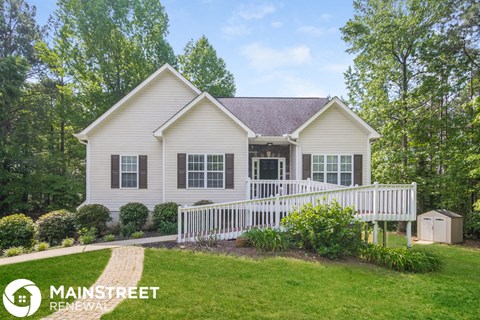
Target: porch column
x: 409, y: 234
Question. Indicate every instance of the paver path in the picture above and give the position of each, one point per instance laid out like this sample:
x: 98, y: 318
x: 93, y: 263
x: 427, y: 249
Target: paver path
x: 124, y: 269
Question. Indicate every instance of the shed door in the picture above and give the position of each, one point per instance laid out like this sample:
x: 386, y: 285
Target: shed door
x: 427, y: 228
x: 440, y: 230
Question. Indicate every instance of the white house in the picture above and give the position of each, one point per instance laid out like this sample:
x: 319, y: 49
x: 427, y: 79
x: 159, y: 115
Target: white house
x: 167, y: 141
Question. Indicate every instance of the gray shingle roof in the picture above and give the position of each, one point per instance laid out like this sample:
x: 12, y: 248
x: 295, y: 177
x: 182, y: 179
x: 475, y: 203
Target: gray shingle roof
x: 273, y: 116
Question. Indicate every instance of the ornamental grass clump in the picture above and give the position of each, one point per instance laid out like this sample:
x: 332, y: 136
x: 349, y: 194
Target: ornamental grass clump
x: 268, y: 239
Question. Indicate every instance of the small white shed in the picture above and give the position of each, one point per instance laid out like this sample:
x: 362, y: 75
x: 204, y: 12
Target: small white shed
x: 440, y: 226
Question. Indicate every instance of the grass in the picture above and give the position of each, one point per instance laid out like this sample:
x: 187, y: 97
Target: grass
x: 208, y: 286
x: 73, y: 270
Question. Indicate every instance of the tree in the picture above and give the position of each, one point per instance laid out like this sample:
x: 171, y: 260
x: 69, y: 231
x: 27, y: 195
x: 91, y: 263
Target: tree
x: 199, y: 64
x: 409, y: 80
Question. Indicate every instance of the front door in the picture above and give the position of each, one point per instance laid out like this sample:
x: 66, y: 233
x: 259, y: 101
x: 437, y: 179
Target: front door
x: 268, y: 169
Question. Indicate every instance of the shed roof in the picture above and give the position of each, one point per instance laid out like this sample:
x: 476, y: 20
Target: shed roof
x: 273, y: 116
x: 446, y: 212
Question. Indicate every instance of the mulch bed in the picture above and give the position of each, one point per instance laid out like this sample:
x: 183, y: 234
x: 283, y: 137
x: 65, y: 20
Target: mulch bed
x: 229, y: 247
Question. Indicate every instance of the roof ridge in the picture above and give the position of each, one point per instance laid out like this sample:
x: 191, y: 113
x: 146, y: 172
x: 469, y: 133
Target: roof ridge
x: 293, y: 98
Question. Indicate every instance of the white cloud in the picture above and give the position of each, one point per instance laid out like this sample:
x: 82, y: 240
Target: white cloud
x: 255, y: 11
x: 311, y: 30
x: 262, y: 57
x: 235, y: 30
x: 276, y: 24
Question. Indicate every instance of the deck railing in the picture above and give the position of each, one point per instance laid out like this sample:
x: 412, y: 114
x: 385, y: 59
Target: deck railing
x: 257, y: 189
x: 377, y: 202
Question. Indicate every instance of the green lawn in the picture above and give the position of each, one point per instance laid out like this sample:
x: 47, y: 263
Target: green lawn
x: 207, y: 286
x: 73, y: 270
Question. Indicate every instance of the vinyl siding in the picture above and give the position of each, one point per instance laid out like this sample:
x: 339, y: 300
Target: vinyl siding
x: 205, y: 129
x: 334, y: 132
x: 128, y: 131
x: 293, y: 162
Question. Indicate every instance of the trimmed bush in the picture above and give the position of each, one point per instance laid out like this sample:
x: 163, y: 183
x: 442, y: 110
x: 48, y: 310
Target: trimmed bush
x: 127, y: 230
x: 87, y: 236
x: 68, y: 242
x: 202, y: 203
x: 55, y: 226
x: 400, y: 259
x: 165, y: 216
x: 134, y: 213
x: 93, y: 216
x: 268, y: 239
x: 16, y: 230
x: 328, y: 229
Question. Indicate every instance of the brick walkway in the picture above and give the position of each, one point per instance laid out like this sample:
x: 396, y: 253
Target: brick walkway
x: 123, y: 270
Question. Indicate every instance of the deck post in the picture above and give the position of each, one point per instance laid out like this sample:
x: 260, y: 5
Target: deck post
x: 384, y: 229
x: 375, y: 211
x: 409, y: 234
x: 179, y: 222
x: 248, y: 189
x: 277, y: 210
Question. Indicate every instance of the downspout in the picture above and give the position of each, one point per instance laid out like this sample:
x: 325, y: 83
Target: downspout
x: 297, y: 156
x: 87, y: 169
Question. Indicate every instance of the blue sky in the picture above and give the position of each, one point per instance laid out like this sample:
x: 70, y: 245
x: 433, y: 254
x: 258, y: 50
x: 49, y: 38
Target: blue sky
x: 273, y: 48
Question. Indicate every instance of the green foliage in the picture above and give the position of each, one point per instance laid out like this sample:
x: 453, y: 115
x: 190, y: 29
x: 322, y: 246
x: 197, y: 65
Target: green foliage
x: 16, y: 230
x: 199, y: 64
x: 268, y: 239
x: 87, y: 236
x: 14, y: 251
x: 210, y: 241
x: 328, y: 229
x: 471, y: 225
x: 55, y: 226
x: 109, y: 237
x: 401, y: 259
x: 137, y: 235
x: 68, y: 242
x: 127, y: 230
x: 202, y: 203
x: 165, y: 216
x: 41, y: 246
x: 93, y: 215
x: 134, y: 213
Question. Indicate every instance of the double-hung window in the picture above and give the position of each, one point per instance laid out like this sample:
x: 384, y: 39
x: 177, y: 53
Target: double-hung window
x: 335, y: 169
x: 129, y: 171
x: 205, y: 171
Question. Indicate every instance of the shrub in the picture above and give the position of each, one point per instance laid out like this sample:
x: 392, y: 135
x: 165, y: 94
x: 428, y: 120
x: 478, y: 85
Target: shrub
x: 14, y: 251
x: 16, y: 230
x: 93, y: 216
x: 41, y: 246
x: 210, y: 241
x: 268, y: 239
x: 109, y: 237
x: 55, y: 226
x: 87, y: 236
x: 134, y: 213
x: 328, y: 229
x: 165, y: 216
x: 127, y: 230
x: 137, y: 235
x: 202, y: 202
x: 400, y: 259
x: 472, y: 225
x: 68, y: 242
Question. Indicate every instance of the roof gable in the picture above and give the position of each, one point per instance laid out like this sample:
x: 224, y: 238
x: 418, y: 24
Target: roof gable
x: 159, y: 132
x: 373, y: 134
x: 83, y: 135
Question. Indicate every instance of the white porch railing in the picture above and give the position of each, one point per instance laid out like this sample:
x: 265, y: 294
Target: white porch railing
x: 257, y: 189
x: 377, y: 202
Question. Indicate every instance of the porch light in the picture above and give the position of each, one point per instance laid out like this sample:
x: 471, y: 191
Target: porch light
x: 269, y: 144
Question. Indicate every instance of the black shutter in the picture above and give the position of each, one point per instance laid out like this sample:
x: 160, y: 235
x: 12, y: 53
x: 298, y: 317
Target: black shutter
x: 357, y: 169
x: 115, y: 171
x: 142, y: 171
x: 229, y: 164
x: 181, y: 170
x: 306, y: 166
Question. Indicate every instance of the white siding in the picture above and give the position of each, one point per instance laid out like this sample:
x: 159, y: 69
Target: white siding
x: 293, y: 162
x: 205, y: 129
x: 129, y: 131
x: 334, y: 132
